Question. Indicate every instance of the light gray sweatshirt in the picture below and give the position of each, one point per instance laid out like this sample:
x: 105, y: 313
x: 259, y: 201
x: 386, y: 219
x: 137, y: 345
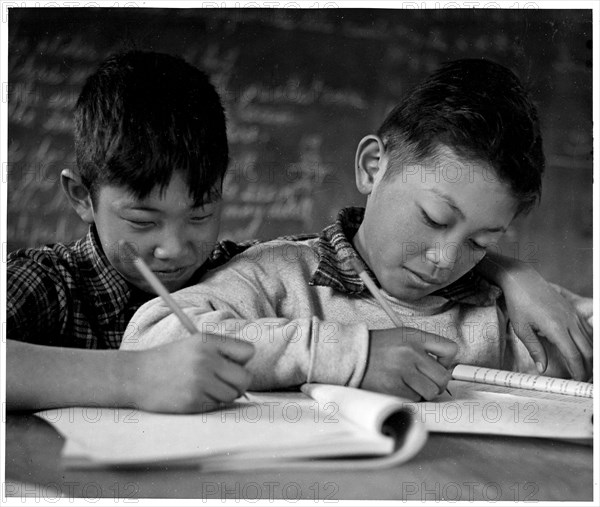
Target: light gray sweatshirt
x: 314, y: 333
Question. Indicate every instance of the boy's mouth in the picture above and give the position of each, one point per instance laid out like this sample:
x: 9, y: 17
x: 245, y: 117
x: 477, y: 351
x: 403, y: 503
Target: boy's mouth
x: 424, y: 279
x: 170, y: 273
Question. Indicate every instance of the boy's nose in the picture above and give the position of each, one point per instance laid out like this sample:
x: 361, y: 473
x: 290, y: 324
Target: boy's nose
x: 171, y: 246
x: 443, y: 256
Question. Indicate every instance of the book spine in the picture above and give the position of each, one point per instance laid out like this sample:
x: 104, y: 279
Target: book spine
x: 522, y: 380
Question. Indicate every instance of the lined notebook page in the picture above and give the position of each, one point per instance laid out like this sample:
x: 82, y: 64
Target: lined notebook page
x: 522, y: 381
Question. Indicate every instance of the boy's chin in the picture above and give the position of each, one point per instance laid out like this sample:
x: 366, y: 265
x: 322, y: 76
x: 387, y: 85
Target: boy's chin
x: 171, y: 285
x: 409, y: 290
x: 407, y: 294
x: 412, y: 294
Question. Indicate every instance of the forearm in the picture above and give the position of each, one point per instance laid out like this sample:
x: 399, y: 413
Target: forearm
x: 499, y: 269
x: 287, y: 352
x: 40, y: 377
x: 293, y: 352
x: 537, y: 310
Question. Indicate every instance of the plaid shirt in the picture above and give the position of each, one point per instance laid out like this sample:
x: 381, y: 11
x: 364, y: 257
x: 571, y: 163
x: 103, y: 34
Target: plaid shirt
x: 71, y: 296
x: 335, y: 250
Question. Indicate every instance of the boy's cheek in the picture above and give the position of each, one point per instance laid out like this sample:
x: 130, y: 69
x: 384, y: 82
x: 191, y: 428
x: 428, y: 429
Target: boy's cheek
x: 461, y: 268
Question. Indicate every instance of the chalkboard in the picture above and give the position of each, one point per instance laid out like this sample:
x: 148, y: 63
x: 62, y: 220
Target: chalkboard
x: 301, y: 88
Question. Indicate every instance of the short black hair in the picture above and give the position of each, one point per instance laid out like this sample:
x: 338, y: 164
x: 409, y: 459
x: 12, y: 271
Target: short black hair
x: 143, y: 115
x: 480, y: 110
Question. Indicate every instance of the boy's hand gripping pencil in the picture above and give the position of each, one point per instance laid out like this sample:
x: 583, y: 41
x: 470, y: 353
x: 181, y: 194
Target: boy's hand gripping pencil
x: 159, y: 288
x: 360, y: 271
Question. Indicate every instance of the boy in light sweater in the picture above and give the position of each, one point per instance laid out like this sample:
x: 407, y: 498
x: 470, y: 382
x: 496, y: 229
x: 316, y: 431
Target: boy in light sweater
x: 446, y: 174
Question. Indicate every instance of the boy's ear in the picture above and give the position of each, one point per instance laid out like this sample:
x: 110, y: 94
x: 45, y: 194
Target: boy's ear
x: 368, y: 162
x: 77, y: 194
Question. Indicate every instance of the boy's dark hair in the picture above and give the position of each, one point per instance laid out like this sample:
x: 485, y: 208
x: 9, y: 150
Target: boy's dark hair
x: 140, y: 117
x: 480, y: 110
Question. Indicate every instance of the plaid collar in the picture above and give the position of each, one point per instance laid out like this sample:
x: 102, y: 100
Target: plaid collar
x: 334, y: 270
x: 102, y: 285
x: 104, y: 288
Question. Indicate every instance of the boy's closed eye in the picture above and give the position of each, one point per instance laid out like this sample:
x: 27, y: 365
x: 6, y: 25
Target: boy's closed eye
x: 139, y: 220
x: 435, y: 223
x: 142, y: 222
x: 440, y: 223
x: 141, y: 225
x: 485, y: 240
x: 477, y: 246
x: 201, y: 217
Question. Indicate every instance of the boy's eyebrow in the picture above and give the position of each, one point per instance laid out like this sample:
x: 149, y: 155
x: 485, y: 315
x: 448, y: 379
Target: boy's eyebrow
x: 450, y: 202
x: 145, y: 207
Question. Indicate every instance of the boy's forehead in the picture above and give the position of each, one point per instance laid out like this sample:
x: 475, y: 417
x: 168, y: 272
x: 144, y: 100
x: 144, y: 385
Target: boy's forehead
x: 469, y: 186
x: 175, y: 195
x: 443, y: 158
x: 444, y: 168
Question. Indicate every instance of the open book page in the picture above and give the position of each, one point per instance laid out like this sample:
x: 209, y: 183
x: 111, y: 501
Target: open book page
x: 366, y: 409
x: 374, y: 413
x: 263, y: 431
x: 502, y: 410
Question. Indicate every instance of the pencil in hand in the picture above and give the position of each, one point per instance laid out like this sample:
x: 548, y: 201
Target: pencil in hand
x: 159, y: 288
x: 370, y: 284
x: 368, y: 281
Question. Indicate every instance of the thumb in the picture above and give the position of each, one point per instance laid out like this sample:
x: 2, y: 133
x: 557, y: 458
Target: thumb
x: 584, y: 306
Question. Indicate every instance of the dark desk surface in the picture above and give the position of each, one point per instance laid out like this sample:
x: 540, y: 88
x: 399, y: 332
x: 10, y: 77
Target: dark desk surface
x: 450, y: 467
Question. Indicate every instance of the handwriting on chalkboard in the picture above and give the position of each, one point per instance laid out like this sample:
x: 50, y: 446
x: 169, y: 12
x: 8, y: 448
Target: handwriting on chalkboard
x: 300, y: 87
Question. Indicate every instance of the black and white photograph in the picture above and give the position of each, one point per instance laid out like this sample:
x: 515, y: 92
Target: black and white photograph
x: 272, y: 253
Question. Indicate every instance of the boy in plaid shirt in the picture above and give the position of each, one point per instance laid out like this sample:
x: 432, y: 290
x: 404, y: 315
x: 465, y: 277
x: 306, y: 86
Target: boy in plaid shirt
x: 151, y: 152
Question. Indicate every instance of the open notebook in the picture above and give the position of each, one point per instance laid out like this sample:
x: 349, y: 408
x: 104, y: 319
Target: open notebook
x: 324, y: 426
x: 327, y: 426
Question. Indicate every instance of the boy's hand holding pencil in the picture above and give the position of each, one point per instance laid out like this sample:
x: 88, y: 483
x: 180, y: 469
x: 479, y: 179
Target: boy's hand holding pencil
x: 404, y: 361
x: 209, y: 369
x: 401, y: 363
x: 196, y: 374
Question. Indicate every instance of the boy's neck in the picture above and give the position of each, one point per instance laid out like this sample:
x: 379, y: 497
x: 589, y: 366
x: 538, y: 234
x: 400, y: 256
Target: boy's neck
x: 358, y: 242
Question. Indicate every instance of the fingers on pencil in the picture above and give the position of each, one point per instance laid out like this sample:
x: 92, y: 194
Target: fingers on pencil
x: 235, y: 378
x: 424, y: 386
x: 236, y: 350
x: 222, y: 391
x: 434, y: 377
x: 409, y: 393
